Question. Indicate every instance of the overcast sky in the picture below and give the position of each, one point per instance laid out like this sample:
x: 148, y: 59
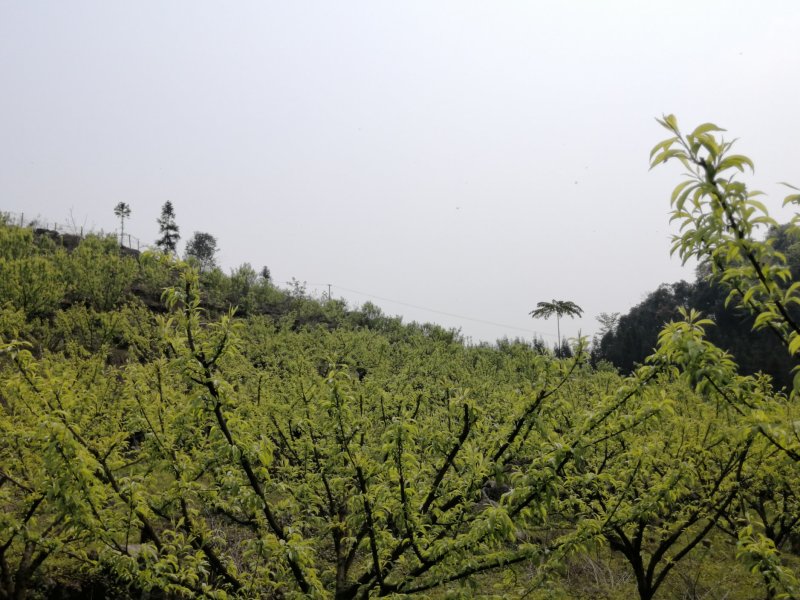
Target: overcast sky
x: 468, y: 157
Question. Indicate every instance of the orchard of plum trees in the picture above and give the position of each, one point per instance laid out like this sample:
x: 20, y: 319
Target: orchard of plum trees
x: 154, y: 441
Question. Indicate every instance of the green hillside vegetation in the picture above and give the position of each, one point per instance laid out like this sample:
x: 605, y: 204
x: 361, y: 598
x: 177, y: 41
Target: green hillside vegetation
x: 171, y: 433
x: 634, y: 336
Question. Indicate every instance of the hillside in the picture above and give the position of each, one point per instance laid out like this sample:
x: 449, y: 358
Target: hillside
x: 155, y: 441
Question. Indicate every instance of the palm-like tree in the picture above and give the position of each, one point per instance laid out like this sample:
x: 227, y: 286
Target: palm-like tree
x: 545, y: 310
x: 123, y: 211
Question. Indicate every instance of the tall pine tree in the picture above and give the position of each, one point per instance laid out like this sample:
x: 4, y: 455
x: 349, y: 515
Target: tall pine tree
x: 168, y: 229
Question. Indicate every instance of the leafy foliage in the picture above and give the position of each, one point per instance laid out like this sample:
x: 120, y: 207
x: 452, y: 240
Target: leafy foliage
x: 168, y: 229
x: 301, y: 449
x: 634, y: 336
x: 719, y: 217
x: 122, y: 211
x: 559, y: 308
x: 202, y: 248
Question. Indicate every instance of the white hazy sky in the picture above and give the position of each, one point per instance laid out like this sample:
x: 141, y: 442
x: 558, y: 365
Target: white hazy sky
x: 468, y: 157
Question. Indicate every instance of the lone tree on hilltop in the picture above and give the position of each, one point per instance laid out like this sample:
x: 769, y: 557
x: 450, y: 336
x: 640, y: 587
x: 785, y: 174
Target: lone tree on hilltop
x: 202, y: 248
x: 123, y: 211
x: 545, y: 310
x: 168, y: 229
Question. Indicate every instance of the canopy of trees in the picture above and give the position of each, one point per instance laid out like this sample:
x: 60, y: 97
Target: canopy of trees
x: 168, y: 228
x: 633, y: 337
x: 202, y: 248
x: 559, y: 308
x: 157, y: 442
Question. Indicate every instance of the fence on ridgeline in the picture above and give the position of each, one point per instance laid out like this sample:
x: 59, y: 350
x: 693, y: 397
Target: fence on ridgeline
x: 126, y: 240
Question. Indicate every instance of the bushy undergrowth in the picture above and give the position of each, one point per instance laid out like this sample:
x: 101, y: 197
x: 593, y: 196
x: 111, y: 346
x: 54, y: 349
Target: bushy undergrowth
x: 155, y: 442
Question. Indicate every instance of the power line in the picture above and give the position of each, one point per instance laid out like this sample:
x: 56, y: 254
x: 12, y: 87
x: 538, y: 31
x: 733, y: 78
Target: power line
x: 432, y: 310
x: 439, y: 312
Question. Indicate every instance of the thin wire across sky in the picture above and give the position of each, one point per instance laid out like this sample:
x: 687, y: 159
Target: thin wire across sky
x: 431, y: 310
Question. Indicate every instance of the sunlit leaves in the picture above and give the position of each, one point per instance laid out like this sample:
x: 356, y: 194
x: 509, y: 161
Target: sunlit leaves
x: 196, y: 454
x: 719, y: 220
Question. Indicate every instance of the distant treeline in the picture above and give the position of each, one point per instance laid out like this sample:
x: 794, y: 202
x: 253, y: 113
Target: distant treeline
x: 43, y: 272
x: 633, y: 336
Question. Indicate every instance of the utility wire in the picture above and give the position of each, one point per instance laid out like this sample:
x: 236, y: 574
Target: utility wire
x: 432, y: 310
